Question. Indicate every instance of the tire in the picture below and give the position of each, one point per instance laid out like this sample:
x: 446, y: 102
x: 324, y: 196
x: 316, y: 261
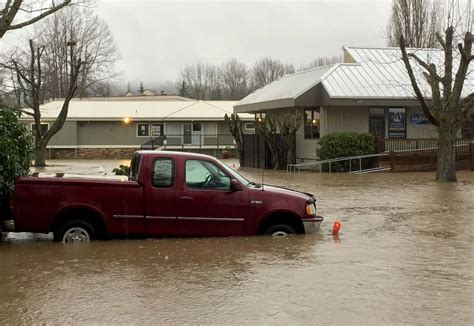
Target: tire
x: 279, y: 230
x: 75, y: 231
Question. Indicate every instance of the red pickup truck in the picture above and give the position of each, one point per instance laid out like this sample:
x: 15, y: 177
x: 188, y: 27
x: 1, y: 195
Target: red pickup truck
x: 168, y: 194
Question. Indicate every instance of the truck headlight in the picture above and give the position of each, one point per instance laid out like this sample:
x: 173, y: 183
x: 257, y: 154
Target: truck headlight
x: 310, y: 209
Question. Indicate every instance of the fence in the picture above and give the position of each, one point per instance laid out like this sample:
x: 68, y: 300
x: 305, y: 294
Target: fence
x: 425, y: 159
x: 176, y: 141
x: 400, y: 145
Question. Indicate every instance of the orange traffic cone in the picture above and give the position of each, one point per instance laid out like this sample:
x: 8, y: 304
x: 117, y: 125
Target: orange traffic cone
x: 335, y: 228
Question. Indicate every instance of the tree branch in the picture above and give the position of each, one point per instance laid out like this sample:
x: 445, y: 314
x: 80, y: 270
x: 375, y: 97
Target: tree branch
x: 48, y: 12
x: 431, y: 68
x: 416, y: 89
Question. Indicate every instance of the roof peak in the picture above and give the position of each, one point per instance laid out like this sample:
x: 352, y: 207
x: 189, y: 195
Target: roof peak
x: 348, y: 47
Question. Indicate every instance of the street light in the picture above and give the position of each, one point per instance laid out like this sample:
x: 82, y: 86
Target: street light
x: 126, y: 120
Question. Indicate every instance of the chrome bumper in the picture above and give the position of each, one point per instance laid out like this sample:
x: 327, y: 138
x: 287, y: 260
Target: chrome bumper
x: 312, y: 225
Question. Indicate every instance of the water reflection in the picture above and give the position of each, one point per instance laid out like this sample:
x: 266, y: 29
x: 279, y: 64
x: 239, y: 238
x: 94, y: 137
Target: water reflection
x: 404, y: 254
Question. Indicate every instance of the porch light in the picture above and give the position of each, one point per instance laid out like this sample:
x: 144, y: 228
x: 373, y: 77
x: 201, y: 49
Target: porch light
x: 126, y: 120
x: 259, y: 117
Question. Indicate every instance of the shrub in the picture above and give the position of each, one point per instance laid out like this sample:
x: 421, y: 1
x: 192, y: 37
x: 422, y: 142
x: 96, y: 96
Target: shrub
x: 343, y: 144
x: 122, y: 170
x: 16, y: 146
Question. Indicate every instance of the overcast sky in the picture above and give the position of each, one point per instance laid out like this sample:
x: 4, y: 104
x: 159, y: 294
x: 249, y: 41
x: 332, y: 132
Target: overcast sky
x: 157, y: 38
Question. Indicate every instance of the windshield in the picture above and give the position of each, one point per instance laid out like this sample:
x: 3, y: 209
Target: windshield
x: 237, y: 176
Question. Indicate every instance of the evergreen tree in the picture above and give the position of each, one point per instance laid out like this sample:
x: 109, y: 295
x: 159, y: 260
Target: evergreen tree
x: 142, y: 88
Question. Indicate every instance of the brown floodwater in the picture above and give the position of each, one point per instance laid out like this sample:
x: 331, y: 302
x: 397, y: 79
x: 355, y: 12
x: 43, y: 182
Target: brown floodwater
x: 404, y: 256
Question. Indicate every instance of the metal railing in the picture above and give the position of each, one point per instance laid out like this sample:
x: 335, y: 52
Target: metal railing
x: 204, y: 141
x: 359, y: 158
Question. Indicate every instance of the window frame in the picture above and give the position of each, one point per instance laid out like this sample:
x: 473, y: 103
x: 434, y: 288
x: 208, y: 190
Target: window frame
x: 162, y: 129
x: 32, y: 125
x: 173, y: 172
x: 312, y: 126
x: 206, y: 189
x: 138, y: 128
x: 247, y: 123
x: 204, y: 127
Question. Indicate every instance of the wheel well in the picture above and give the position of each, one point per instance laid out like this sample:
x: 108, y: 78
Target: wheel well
x: 83, y: 214
x: 281, y: 218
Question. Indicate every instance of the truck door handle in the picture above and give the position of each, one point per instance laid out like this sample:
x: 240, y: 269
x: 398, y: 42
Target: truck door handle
x: 186, y: 198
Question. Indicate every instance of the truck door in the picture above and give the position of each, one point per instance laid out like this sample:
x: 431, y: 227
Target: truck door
x: 161, y: 199
x: 207, y: 206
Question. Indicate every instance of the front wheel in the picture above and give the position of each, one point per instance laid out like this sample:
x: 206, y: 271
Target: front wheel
x: 75, y: 231
x: 279, y: 230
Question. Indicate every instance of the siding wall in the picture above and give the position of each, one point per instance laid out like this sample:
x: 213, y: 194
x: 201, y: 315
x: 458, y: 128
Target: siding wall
x: 354, y: 119
x: 116, y: 133
x: 67, y: 136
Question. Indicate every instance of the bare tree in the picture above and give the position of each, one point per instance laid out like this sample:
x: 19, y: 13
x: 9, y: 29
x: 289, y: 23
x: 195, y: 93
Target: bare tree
x: 93, y: 42
x: 288, y: 124
x: 31, y: 9
x: 446, y: 108
x: 28, y: 68
x: 417, y: 21
x: 267, y: 70
x: 234, y: 78
x: 321, y: 62
x: 235, y: 127
x: 201, y: 80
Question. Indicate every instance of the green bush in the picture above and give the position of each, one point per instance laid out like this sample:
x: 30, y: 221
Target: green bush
x: 343, y: 144
x: 16, y: 145
x: 122, y: 170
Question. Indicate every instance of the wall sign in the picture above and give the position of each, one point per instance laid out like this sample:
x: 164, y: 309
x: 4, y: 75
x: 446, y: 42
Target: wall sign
x: 397, y: 123
x: 419, y: 118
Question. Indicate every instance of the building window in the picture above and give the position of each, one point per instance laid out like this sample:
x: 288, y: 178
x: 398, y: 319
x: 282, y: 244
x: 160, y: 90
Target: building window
x: 143, y: 130
x: 156, y: 129
x: 174, y: 129
x: 312, y: 124
x: 467, y: 130
x: 249, y: 126
x: 196, y: 126
x: 44, y: 127
x: 210, y: 129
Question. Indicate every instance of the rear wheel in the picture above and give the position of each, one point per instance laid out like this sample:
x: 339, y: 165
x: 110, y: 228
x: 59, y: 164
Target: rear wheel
x: 75, y: 231
x: 279, y: 230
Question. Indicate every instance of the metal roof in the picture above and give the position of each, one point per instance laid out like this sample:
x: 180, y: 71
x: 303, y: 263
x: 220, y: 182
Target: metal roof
x: 287, y: 87
x: 381, y: 73
x: 375, y: 73
x: 141, y: 110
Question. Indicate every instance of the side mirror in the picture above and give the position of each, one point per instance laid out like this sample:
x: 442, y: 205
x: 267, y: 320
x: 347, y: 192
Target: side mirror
x: 235, y: 185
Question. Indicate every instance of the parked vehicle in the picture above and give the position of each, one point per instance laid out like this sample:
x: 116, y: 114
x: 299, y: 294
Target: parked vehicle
x: 168, y: 194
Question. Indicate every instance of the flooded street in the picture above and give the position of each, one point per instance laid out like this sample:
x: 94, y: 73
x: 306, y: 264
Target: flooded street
x: 405, y: 255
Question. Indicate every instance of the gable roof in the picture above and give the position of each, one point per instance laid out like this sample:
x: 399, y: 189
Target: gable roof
x: 286, y: 88
x: 141, y: 110
x: 381, y: 74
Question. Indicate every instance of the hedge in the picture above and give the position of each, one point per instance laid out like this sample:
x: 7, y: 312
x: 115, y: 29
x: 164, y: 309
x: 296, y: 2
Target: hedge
x: 16, y: 145
x: 343, y: 144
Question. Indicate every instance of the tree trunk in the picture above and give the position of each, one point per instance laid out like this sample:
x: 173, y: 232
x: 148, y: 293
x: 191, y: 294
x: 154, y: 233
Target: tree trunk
x: 446, y: 156
x: 40, y: 154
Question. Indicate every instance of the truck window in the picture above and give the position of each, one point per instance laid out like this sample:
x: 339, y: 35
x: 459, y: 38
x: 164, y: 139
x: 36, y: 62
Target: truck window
x: 205, y: 175
x: 135, y: 167
x: 162, y: 173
